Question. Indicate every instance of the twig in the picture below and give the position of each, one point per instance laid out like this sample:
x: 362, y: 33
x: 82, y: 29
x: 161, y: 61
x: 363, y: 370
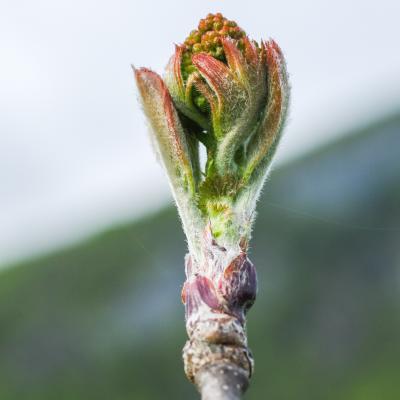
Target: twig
x: 221, y: 382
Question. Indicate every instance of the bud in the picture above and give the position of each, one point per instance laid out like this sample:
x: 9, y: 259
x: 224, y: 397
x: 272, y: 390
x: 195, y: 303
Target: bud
x: 235, y: 90
x: 230, y: 94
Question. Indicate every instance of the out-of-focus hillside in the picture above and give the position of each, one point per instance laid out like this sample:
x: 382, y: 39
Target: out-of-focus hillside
x: 103, y: 320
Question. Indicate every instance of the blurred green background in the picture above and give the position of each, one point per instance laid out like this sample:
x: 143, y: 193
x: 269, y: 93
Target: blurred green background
x: 103, y: 319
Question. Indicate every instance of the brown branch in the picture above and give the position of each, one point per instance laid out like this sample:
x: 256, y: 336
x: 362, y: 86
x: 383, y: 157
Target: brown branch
x: 217, y: 295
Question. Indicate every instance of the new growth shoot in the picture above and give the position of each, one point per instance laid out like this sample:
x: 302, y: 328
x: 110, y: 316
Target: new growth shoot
x: 230, y: 94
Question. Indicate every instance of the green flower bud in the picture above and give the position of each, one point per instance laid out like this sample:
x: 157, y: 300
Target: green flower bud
x: 231, y: 95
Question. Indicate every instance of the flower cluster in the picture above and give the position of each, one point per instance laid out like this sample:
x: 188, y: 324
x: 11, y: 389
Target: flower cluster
x: 207, y: 38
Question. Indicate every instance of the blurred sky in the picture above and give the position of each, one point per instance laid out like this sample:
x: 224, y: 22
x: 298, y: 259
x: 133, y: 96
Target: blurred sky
x: 74, y: 151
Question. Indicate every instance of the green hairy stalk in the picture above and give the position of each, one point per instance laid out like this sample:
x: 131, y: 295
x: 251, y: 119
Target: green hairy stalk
x: 230, y: 95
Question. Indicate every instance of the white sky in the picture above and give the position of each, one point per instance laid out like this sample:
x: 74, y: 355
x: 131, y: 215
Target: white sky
x: 74, y: 152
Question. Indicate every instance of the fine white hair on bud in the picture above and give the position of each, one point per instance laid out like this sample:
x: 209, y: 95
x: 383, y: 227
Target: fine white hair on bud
x: 229, y: 94
x: 173, y: 147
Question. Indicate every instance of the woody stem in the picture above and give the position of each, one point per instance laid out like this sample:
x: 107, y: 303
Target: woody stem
x: 217, y: 295
x: 221, y: 381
